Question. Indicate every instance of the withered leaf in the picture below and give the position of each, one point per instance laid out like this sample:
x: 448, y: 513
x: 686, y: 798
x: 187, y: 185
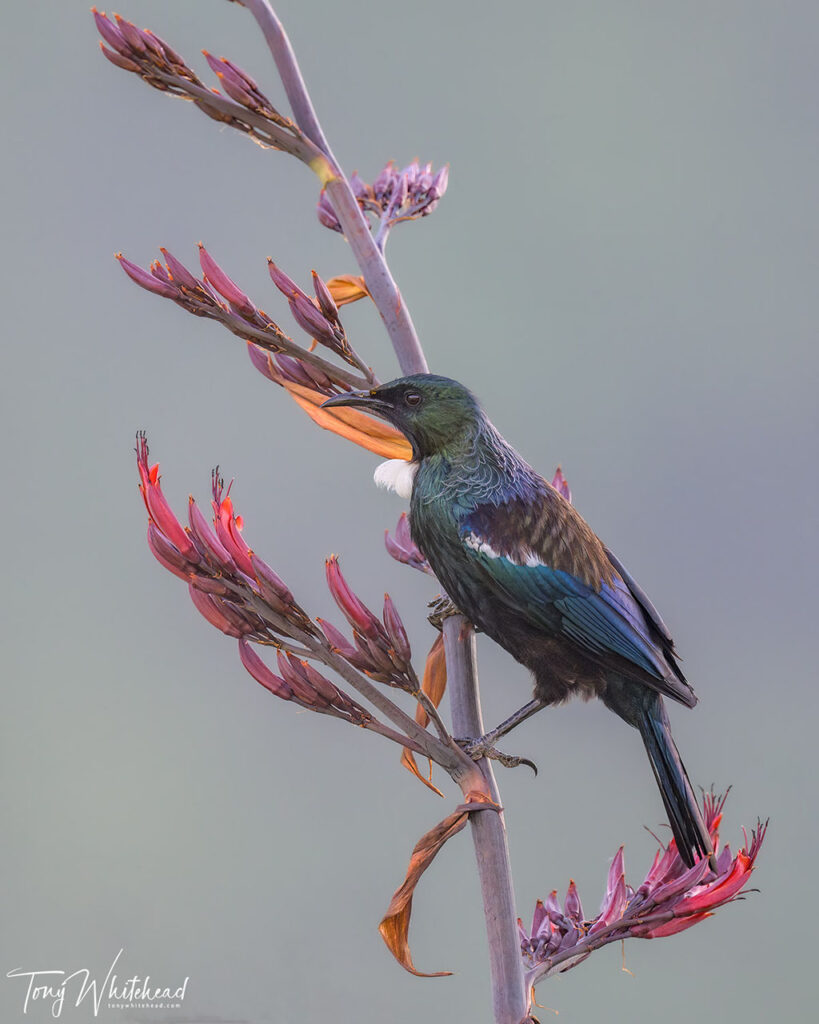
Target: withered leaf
x: 394, y: 926
x: 434, y: 686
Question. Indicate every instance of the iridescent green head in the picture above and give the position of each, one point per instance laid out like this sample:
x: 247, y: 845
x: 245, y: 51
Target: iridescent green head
x: 434, y: 413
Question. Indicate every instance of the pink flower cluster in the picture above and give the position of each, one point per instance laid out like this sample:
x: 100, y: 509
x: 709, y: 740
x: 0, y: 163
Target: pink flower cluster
x: 670, y: 899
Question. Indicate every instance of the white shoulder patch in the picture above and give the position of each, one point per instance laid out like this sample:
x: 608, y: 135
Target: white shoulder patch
x: 472, y: 540
x: 396, y: 475
x: 528, y: 558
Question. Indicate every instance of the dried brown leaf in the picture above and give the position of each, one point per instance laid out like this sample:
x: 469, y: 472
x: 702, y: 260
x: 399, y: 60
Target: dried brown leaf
x: 434, y: 686
x: 409, y: 762
x: 394, y: 927
x: 434, y: 681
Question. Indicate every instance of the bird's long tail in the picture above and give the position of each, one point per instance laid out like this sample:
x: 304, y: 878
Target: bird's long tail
x: 645, y: 710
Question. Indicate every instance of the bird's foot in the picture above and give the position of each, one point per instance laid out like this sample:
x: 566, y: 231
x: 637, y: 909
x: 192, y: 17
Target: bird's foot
x: 482, y: 747
x: 442, y: 608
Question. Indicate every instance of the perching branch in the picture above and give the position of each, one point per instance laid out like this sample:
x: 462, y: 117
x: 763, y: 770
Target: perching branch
x: 489, y: 834
x: 289, y: 73
x: 380, y: 282
x: 509, y: 996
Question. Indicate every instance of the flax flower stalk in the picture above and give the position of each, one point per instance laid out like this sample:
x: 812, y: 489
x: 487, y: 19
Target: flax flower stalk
x: 489, y: 834
x: 239, y: 594
x: 377, y: 275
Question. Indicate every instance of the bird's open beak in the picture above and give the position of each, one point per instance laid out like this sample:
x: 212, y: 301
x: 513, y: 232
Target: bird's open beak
x: 368, y: 400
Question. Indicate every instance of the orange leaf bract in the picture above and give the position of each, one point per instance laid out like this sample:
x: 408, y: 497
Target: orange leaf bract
x: 409, y: 762
x: 434, y: 686
x: 434, y: 682
x: 372, y: 434
x: 347, y: 288
x: 394, y: 926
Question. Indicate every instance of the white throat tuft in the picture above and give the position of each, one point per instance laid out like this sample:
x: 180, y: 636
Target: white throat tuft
x: 396, y: 475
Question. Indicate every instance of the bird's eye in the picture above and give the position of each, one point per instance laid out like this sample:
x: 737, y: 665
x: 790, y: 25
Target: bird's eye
x: 412, y: 398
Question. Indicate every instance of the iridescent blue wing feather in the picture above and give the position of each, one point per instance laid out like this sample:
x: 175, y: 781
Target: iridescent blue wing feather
x: 544, y: 563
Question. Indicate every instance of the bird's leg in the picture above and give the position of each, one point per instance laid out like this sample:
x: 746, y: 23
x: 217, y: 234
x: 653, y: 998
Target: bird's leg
x: 513, y: 721
x: 484, y: 746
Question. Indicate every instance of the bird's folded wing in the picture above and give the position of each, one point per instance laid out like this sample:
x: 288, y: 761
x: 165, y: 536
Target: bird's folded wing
x: 590, y: 605
x: 641, y: 598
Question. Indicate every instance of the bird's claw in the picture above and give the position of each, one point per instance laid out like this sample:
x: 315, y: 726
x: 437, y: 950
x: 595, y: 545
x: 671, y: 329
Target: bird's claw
x: 480, y: 747
x: 442, y: 608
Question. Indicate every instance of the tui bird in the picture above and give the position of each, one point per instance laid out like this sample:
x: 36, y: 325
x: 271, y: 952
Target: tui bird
x: 522, y: 565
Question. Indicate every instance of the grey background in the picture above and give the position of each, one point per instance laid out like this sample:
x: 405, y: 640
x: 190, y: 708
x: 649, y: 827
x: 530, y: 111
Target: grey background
x: 624, y: 269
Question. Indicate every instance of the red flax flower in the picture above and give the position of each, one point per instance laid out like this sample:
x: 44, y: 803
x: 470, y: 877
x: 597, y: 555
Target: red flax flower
x: 670, y: 899
x: 239, y: 594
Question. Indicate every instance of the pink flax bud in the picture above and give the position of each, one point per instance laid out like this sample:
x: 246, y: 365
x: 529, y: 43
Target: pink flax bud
x: 572, y: 905
x: 214, y: 549
x: 236, y: 90
x: 271, y: 587
x: 261, y: 673
x: 326, y: 214
x: 150, y: 44
x: 561, y: 484
x: 396, y: 631
x: 179, y: 272
x: 291, y: 672
x: 119, y: 61
x: 159, y: 272
x: 286, y: 285
x: 234, y: 613
x: 312, y: 321
x: 339, y: 643
x: 211, y: 585
x: 110, y: 34
x: 213, y: 610
x: 242, y: 75
x: 440, y: 182
x: 385, y: 183
x: 131, y: 34
x: 176, y: 62
x: 146, y: 280
x: 337, y: 640
x: 379, y: 655
x: 223, y: 284
x: 323, y: 687
x: 261, y: 360
x: 293, y: 370
x: 167, y: 555
x: 353, y: 609
x: 361, y: 190
x: 326, y: 301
